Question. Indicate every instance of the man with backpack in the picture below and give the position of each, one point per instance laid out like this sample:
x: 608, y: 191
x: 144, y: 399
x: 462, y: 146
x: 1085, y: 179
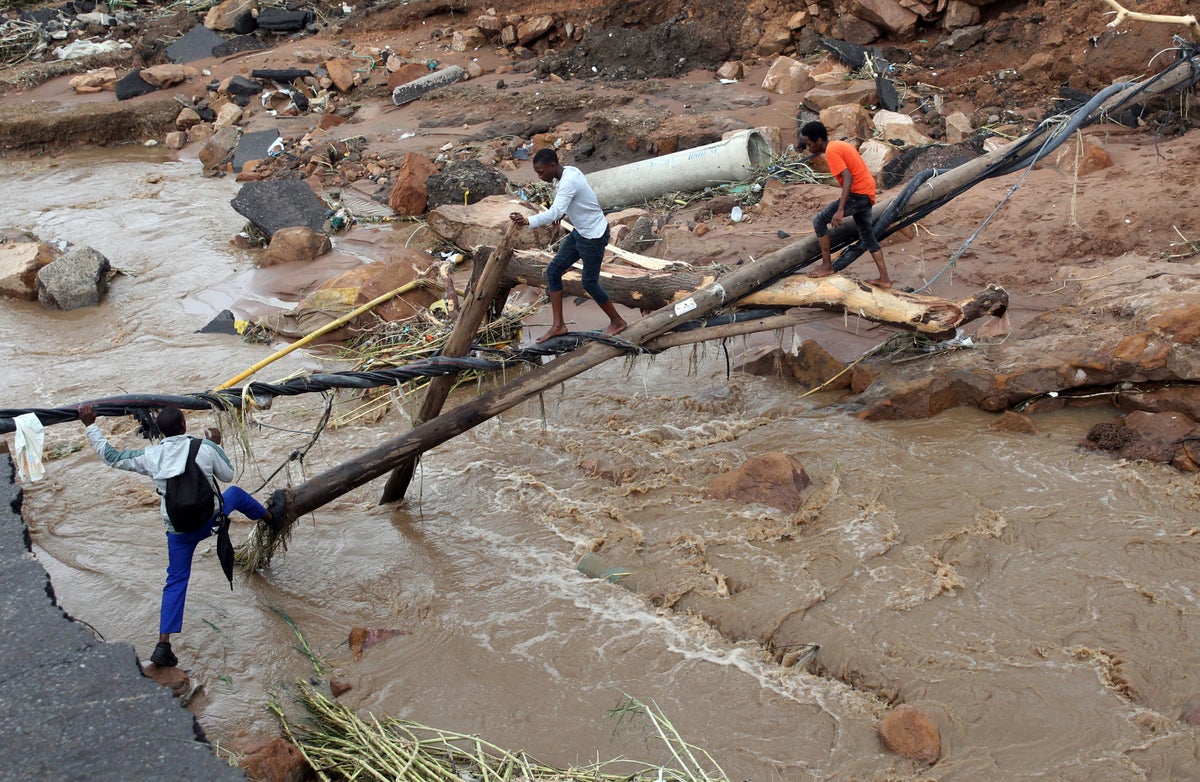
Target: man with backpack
x: 184, y: 471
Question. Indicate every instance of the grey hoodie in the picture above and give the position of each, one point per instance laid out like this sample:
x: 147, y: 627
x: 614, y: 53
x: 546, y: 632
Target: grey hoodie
x: 164, y: 460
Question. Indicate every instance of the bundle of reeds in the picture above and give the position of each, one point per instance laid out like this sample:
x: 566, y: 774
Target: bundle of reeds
x: 340, y: 745
x: 401, y: 343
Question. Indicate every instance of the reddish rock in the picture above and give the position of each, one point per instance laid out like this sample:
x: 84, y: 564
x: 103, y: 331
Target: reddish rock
x: 1181, y: 324
x: 19, y: 265
x: 296, y: 243
x: 339, y: 686
x: 1076, y: 160
x: 532, y: 29
x: 173, y: 678
x: 788, y: 77
x: 409, y: 194
x: 275, y: 760
x: 765, y: 361
x: 731, y: 70
x: 1157, y: 436
x: 813, y: 366
x: 363, y: 638
x: 410, y: 71
x: 370, y: 281
x: 1014, y: 422
x: 775, y: 479
x: 330, y: 120
x: 341, y: 73
x: 911, y: 733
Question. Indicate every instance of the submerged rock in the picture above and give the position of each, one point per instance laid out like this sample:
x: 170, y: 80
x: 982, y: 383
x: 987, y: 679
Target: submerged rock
x: 911, y: 733
x: 78, y: 279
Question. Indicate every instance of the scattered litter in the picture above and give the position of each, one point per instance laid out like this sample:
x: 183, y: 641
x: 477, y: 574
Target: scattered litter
x: 407, y: 134
x: 735, y: 214
x: 728, y: 81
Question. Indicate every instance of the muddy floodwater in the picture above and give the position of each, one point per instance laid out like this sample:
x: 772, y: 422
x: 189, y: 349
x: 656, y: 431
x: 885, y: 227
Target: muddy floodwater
x: 1039, y: 601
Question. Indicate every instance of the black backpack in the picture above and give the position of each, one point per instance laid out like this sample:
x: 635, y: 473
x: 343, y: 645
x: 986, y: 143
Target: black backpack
x: 190, y: 498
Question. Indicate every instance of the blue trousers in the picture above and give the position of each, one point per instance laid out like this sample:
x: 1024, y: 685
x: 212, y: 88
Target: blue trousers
x: 182, y: 545
x: 577, y: 248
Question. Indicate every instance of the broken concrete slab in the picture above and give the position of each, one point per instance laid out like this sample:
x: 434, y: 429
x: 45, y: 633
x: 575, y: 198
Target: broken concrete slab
x: 277, y: 204
x: 196, y: 44
x: 253, y: 146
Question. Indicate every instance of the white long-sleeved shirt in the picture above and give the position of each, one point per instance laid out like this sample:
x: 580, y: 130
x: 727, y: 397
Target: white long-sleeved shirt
x: 575, y: 199
x: 165, y: 460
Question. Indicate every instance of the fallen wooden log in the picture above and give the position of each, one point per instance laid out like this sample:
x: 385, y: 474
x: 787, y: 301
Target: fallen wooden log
x: 656, y: 289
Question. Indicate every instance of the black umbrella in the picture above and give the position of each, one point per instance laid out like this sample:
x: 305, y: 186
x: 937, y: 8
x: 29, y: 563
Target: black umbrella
x: 225, y: 548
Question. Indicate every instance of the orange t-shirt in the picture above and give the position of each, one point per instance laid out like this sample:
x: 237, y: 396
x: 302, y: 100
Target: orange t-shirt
x: 841, y: 156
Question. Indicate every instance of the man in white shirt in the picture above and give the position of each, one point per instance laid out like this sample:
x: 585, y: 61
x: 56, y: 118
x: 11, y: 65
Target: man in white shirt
x: 575, y: 200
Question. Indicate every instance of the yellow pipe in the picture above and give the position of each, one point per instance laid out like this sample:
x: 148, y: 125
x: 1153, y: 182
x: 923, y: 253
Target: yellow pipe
x: 328, y: 327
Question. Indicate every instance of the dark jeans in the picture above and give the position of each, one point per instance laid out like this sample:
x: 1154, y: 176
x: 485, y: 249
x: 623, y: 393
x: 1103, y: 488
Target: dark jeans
x: 858, y: 206
x: 577, y: 248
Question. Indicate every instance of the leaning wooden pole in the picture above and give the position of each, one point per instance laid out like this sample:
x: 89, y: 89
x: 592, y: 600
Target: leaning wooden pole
x: 289, y: 504
x: 462, y: 336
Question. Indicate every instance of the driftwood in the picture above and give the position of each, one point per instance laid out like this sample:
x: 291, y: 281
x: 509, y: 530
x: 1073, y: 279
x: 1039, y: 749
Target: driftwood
x: 288, y: 504
x: 654, y: 290
x: 1123, y: 13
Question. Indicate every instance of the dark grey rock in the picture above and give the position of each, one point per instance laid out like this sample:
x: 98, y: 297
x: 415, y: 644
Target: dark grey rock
x: 73, y: 707
x: 242, y: 43
x: 464, y: 181
x: 253, y: 146
x: 279, y: 20
x: 245, y: 23
x: 131, y: 85
x: 281, y: 75
x: 196, y: 44
x: 280, y: 204
x: 240, y: 85
x: 78, y: 279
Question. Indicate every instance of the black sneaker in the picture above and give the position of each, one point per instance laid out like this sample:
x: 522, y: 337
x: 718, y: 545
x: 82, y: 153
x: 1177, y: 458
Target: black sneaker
x: 163, y: 656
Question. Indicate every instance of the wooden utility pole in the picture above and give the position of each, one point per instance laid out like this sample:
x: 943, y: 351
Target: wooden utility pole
x: 289, y: 504
x: 478, y: 302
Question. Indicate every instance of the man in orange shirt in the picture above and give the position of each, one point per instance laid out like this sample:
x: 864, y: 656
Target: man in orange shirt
x: 858, y: 195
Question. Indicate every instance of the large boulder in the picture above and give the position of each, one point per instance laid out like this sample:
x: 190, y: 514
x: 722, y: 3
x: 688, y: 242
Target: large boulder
x: 19, y: 266
x: 78, y: 279
x: 775, y: 479
x: 281, y: 203
x: 911, y: 733
x: 485, y: 222
x: 409, y: 194
x: 465, y: 182
x: 860, y: 91
x: 788, y: 77
x: 370, y: 281
x: 295, y: 243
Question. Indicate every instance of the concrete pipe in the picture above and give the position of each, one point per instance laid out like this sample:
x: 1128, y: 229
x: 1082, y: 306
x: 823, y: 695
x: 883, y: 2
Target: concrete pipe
x: 730, y: 160
x: 407, y: 93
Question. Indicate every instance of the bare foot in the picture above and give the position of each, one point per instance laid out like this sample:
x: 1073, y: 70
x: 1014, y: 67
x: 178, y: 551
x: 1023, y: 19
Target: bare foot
x: 615, y: 327
x: 880, y: 283
x: 821, y: 271
x: 555, y: 331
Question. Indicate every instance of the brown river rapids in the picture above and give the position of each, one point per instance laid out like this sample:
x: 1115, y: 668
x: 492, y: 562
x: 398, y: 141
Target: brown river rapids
x: 1038, y: 600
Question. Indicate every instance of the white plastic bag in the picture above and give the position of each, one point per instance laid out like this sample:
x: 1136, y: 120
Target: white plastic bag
x: 28, y: 442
